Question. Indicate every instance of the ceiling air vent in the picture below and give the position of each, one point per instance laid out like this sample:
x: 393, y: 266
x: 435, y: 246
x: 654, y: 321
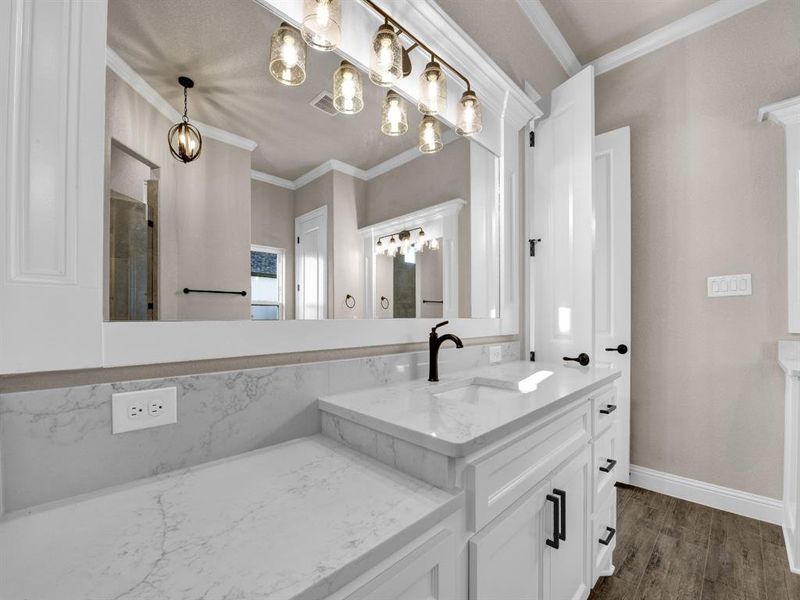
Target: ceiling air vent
x: 324, y: 102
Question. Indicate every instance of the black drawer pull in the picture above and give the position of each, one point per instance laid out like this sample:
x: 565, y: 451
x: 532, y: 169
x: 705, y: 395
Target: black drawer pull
x: 611, y: 464
x: 608, y: 409
x: 562, y: 531
x: 554, y: 543
x: 611, y: 533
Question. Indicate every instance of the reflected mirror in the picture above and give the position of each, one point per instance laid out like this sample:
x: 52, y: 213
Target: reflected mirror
x: 314, y: 200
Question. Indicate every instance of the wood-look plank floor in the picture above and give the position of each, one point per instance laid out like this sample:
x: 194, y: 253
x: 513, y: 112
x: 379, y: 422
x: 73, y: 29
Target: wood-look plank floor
x: 673, y: 549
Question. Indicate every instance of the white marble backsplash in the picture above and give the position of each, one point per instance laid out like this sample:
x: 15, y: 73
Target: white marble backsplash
x: 57, y: 443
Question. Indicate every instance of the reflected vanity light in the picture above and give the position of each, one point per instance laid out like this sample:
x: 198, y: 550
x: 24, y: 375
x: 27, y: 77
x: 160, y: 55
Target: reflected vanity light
x: 322, y: 29
x: 348, y: 96
x: 185, y: 141
x: 404, y: 243
x: 432, y: 89
x: 394, y: 120
x: 469, y: 120
x: 564, y: 319
x: 529, y: 384
x: 430, y: 135
x: 287, y: 58
x: 386, y: 57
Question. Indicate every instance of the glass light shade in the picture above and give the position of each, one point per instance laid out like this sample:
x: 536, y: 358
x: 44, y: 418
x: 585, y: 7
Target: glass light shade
x: 432, y: 90
x: 421, y: 240
x: 430, y: 135
x: 433, y: 244
x: 322, y: 24
x: 468, y: 119
x: 287, y: 55
x: 392, y: 246
x: 348, y: 96
x: 185, y: 142
x: 386, y: 57
x: 394, y: 118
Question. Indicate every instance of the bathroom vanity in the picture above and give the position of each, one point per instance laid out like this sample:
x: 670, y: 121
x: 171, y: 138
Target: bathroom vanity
x: 495, y: 483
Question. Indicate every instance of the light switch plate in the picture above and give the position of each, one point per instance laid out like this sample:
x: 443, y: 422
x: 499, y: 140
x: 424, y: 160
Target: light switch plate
x: 143, y: 409
x: 495, y: 354
x: 730, y: 285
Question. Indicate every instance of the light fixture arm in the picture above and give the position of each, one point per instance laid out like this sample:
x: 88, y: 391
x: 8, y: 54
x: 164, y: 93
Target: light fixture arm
x: 403, y: 31
x: 397, y: 233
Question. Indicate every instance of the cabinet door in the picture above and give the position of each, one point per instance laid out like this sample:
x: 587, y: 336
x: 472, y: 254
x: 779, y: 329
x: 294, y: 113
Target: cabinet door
x: 505, y: 557
x: 568, y: 568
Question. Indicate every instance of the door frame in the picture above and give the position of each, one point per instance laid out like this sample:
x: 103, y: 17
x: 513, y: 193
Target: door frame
x: 322, y: 214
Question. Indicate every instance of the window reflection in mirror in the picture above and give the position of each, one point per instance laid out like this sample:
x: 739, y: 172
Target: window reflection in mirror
x: 290, y: 201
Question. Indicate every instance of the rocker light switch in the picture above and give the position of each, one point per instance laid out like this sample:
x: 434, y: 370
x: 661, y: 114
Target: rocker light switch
x: 730, y: 285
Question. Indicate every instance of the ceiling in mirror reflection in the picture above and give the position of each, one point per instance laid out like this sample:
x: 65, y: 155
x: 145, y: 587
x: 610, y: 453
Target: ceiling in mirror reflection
x: 227, y: 58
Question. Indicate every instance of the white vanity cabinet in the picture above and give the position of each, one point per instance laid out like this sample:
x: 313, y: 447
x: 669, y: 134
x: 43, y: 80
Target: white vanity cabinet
x: 553, y: 541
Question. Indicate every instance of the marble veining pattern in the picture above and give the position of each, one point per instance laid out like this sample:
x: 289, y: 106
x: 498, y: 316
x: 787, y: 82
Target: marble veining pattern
x: 57, y: 443
x: 291, y: 521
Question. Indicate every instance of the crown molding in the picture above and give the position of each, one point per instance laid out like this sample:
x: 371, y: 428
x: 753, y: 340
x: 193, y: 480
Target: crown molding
x: 538, y: 15
x: 125, y: 72
x: 677, y: 30
x: 271, y: 179
x: 785, y: 112
x: 405, y: 156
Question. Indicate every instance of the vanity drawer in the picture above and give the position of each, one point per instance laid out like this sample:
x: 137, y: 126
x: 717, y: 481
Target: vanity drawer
x: 605, y: 454
x: 604, y: 409
x: 497, y: 480
x: 604, y: 538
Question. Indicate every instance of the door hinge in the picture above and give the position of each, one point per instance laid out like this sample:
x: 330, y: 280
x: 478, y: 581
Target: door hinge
x: 532, y: 138
x: 298, y: 287
x: 150, y: 223
x: 298, y: 239
x: 533, y: 356
x: 150, y: 306
x: 532, y: 245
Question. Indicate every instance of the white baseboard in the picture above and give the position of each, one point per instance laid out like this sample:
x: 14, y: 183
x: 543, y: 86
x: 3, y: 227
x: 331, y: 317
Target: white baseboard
x: 708, y: 494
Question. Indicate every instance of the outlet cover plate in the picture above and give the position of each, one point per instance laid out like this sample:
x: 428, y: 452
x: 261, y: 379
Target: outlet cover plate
x: 126, y: 404
x: 730, y: 285
x: 495, y: 354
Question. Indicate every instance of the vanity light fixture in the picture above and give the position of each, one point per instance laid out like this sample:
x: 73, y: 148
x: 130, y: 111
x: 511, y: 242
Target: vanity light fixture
x: 430, y: 135
x: 407, y: 245
x: 432, y: 89
x: 185, y: 141
x: 394, y: 120
x: 322, y: 24
x: 348, y: 95
x: 287, y: 56
x: 386, y: 56
x: 468, y: 120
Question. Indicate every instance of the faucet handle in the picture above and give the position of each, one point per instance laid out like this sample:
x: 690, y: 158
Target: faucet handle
x: 435, y: 327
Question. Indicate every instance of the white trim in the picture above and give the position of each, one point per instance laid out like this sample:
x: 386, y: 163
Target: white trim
x: 538, y: 15
x: 272, y: 179
x: 443, y: 209
x: 125, y: 72
x: 785, y: 112
x: 326, y: 167
x: 677, y: 30
x: 708, y: 494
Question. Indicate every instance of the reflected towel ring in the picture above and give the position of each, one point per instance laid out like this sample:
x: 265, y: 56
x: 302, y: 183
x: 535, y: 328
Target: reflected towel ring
x: 384, y: 302
x: 349, y: 301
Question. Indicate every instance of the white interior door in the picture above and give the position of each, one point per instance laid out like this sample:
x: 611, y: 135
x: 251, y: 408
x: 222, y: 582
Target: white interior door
x: 612, y: 271
x: 311, y: 264
x: 562, y: 219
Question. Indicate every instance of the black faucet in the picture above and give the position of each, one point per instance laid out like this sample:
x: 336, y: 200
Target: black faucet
x: 434, y: 341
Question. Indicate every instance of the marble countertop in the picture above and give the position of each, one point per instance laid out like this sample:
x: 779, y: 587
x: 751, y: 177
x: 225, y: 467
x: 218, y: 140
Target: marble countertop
x: 296, y: 520
x: 453, y: 420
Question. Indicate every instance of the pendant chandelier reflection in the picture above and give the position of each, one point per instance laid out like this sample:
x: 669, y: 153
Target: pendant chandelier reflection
x: 405, y: 242
x: 322, y: 24
x: 185, y: 141
x: 287, y: 57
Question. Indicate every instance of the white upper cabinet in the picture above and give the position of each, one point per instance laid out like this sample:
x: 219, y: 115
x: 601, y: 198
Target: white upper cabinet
x: 563, y: 220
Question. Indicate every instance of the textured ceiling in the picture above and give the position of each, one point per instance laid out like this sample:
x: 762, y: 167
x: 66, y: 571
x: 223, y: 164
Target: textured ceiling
x: 593, y: 28
x: 226, y: 53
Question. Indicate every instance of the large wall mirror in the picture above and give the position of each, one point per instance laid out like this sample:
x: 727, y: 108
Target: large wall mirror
x: 293, y: 208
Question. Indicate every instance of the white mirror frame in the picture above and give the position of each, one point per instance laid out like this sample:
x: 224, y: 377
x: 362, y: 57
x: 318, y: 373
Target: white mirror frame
x: 52, y: 91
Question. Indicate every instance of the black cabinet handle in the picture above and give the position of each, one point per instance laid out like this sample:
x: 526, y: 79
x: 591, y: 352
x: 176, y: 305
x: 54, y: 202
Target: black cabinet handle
x: 611, y: 533
x: 554, y: 543
x: 611, y: 464
x: 622, y: 349
x: 608, y: 409
x: 582, y: 359
x: 562, y: 530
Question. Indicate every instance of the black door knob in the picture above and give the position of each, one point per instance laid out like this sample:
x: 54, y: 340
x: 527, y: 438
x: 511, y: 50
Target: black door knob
x: 582, y: 359
x: 622, y: 349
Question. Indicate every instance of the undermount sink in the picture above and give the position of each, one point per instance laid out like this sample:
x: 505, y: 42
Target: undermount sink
x: 479, y: 387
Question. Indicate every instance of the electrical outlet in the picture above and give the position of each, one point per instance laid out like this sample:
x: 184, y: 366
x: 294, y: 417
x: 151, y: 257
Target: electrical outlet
x: 495, y: 354
x: 143, y: 409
